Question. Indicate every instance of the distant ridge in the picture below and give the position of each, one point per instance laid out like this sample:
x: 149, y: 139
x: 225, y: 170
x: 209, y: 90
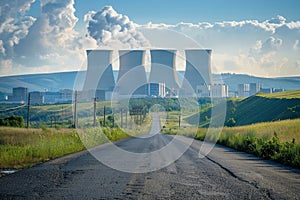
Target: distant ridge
x: 65, y: 80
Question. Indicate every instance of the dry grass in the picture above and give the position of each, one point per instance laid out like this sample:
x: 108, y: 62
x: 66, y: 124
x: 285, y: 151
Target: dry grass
x: 285, y: 129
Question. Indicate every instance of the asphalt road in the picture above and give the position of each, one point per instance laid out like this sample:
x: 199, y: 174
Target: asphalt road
x: 223, y: 174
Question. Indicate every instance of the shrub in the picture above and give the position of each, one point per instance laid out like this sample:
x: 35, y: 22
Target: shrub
x: 270, y: 148
x: 13, y: 121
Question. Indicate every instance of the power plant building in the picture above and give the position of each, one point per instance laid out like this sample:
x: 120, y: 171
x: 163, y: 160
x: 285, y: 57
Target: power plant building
x: 99, y: 75
x: 163, y: 69
x: 20, y: 94
x: 132, y: 79
x: 198, y: 68
x: 36, y: 98
x: 156, y: 90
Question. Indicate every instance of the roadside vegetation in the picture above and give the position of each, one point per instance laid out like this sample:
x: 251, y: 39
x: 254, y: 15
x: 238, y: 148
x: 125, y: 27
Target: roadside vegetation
x: 278, y: 141
x: 264, y: 125
x: 21, y: 148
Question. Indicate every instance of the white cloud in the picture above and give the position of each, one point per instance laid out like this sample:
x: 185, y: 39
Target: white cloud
x: 112, y: 29
x: 52, y: 34
x: 271, y: 44
x: 262, y: 48
x: 13, y: 29
x: 51, y: 43
x: 49, y: 40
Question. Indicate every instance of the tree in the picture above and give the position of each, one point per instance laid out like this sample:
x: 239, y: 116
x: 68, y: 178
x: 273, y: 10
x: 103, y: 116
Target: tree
x: 230, y: 122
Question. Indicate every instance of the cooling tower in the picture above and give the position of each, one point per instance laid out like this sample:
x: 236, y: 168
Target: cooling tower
x: 99, y: 72
x: 163, y: 69
x: 132, y: 77
x: 198, y: 68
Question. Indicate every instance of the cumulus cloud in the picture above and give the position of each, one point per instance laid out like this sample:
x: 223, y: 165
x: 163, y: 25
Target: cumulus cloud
x: 51, y: 43
x: 9, y: 9
x: 12, y: 28
x: 278, y: 20
x: 52, y: 34
x: 268, y: 47
x: 111, y: 29
x: 271, y: 44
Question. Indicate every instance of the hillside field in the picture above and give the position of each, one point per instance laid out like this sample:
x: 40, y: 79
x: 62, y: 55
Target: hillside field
x: 256, y: 109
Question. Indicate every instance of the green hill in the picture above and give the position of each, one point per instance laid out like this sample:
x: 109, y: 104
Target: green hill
x: 257, y: 108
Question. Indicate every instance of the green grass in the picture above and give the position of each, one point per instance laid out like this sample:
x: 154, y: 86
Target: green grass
x: 57, y: 115
x: 278, y: 141
x: 256, y: 109
x: 21, y: 148
x: 293, y: 94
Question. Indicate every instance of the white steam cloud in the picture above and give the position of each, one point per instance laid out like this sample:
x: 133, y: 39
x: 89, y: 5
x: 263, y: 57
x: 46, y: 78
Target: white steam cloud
x: 51, y: 43
x: 51, y: 35
x: 111, y: 29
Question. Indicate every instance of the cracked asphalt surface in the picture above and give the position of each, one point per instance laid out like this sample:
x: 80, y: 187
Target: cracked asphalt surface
x: 222, y: 174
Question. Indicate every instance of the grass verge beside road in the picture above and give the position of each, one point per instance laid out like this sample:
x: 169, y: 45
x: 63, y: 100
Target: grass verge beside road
x: 22, y: 148
x: 278, y: 141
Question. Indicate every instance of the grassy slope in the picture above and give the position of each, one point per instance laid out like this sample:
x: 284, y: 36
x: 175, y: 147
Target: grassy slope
x: 266, y: 107
x: 259, y: 108
x: 282, y: 95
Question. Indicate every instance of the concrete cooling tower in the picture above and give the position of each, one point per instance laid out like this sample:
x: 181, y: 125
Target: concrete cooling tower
x: 132, y: 77
x: 198, y: 68
x: 99, y: 72
x: 163, y: 69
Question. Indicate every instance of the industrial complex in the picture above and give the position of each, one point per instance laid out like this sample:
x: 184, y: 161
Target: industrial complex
x: 162, y: 79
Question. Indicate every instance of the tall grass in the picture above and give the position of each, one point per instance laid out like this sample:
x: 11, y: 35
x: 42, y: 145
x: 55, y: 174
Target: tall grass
x: 279, y: 141
x: 21, y: 148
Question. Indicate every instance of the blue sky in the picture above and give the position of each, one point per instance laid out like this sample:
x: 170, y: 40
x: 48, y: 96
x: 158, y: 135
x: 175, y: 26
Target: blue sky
x: 175, y: 11
x: 255, y: 37
x: 193, y: 11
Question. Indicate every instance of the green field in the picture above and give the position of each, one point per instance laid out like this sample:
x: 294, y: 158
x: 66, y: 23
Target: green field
x: 293, y: 94
x: 57, y: 115
x: 256, y: 109
x: 20, y: 147
x: 267, y: 125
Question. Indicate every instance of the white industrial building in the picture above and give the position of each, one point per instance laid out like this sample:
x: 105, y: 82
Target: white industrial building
x: 156, y: 89
x: 243, y: 90
x: 215, y: 91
